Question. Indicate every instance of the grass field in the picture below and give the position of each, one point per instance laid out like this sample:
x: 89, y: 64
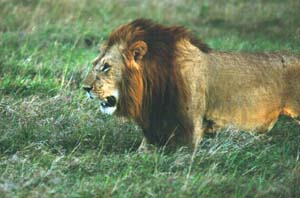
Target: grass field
x: 55, y: 143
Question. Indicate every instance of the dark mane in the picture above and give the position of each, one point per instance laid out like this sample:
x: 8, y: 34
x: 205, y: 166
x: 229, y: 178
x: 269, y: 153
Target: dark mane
x: 151, y: 33
x: 155, y: 95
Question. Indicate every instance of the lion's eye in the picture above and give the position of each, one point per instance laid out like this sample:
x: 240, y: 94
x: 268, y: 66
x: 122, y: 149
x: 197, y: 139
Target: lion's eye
x: 105, y: 68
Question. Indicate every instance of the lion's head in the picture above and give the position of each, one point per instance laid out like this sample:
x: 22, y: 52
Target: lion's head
x: 102, y: 81
x: 116, y: 78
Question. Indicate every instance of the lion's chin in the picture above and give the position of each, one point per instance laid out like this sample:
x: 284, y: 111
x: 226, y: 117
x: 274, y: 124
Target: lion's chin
x: 107, y: 110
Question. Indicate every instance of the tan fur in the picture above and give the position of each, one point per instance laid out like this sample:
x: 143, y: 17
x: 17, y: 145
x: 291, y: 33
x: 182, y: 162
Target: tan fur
x: 177, y: 89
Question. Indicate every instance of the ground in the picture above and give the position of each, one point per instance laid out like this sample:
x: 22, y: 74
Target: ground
x: 55, y: 143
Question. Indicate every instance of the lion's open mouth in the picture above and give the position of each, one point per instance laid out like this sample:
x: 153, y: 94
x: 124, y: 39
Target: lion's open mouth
x: 110, y: 101
x: 108, y: 105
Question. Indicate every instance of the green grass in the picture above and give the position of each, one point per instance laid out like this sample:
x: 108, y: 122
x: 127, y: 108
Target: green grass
x: 55, y: 143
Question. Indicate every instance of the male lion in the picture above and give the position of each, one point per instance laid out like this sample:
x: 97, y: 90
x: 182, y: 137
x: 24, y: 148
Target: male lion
x: 176, y: 88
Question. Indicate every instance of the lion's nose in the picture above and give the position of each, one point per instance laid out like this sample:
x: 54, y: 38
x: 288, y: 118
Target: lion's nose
x: 87, y: 88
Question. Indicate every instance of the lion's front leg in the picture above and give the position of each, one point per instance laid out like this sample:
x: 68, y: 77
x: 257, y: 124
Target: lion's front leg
x: 196, y: 112
x: 198, y: 132
x: 145, y: 146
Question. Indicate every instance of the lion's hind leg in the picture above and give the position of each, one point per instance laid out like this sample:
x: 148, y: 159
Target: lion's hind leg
x: 292, y: 92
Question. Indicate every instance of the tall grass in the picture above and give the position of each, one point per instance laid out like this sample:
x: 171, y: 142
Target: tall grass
x: 55, y: 143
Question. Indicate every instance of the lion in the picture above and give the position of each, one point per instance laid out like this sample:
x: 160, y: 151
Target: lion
x: 176, y: 88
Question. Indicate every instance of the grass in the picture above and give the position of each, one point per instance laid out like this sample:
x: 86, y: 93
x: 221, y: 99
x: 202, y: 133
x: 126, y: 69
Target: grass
x: 55, y: 143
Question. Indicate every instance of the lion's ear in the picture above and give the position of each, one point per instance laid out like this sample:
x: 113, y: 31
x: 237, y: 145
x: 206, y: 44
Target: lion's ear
x: 138, y: 50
